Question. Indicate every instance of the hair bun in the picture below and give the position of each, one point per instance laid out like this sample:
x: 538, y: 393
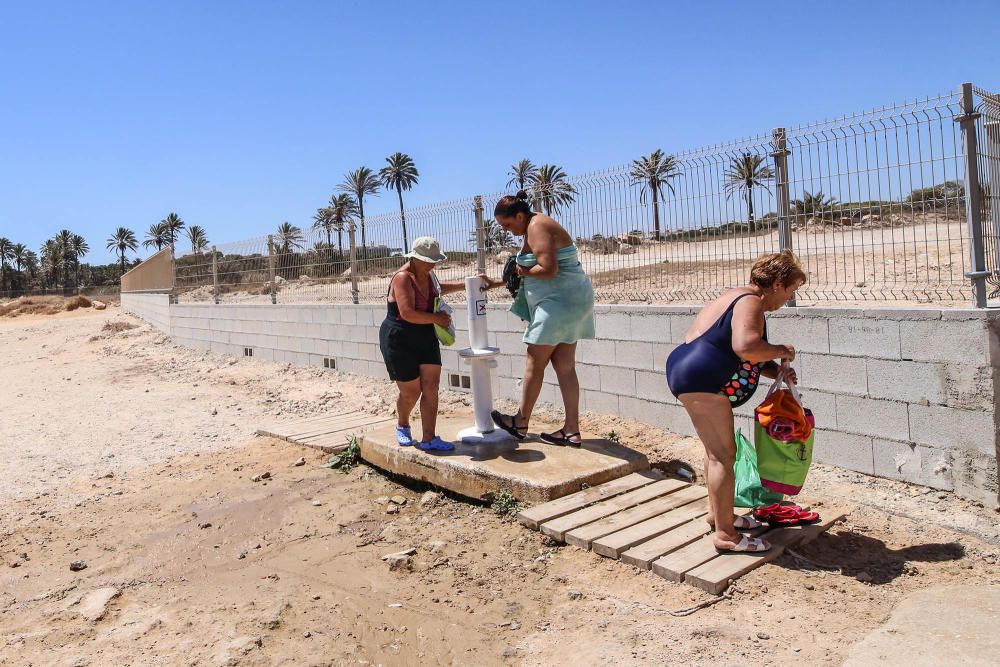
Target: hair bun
x: 522, y: 195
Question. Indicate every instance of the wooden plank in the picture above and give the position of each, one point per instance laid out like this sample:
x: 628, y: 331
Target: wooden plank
x: 584, y: 535
x: 643, y: 555
x: 557, y: 528
x: 535, y: 516
x: 674, y: 565
x: 613, y: 545
x: 331, y: 427
x: 340, y: 427
x: 334, y: 442
x: 714, y: 576
x: 279, y: 428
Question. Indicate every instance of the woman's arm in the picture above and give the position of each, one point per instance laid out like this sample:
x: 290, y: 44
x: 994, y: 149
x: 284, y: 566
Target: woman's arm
x: 748, y: 330
x: 542, y: 242
x: 402, y: 289
x: 452, y: 287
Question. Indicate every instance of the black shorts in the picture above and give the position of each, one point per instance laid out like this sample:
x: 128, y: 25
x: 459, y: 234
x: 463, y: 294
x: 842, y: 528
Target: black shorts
x: 406, y: 347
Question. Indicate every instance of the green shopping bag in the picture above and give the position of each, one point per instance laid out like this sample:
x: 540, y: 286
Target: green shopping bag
x: 749, y: 491
x: 783, y: 465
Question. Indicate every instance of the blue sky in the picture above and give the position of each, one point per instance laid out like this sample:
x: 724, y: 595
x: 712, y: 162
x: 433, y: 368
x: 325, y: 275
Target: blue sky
x: 240, y: 116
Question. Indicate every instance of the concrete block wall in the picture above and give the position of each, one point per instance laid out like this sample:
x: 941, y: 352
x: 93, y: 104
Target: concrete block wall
x: 907, y: 394
x: 154, y: 308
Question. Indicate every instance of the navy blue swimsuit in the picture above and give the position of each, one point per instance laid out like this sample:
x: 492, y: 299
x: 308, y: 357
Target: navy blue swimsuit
x: 708, y: 364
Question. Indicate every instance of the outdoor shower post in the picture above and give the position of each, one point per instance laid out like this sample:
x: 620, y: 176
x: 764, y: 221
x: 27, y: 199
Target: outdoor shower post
x: 354, y: 263
x: 973, y: 197
x: 481, y: 359
x: 215, y: 277
x: 780, y: 157
x: 480, y: 236
x: 270, y: 268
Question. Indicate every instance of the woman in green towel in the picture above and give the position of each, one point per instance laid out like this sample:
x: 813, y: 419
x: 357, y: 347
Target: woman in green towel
x: 557, y: 300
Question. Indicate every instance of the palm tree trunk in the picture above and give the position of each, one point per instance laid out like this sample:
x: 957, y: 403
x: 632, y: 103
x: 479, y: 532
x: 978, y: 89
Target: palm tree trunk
x: 656, y: 213
x: 361, y: 211
x: 123, y: 267
x: 753, y: 223
x: 340, y: 243
x: 402, y: 217
x: 329, y: 247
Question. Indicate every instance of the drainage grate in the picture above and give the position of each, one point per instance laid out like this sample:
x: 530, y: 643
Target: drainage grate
x: 248, y: 352
x: 459, y: 382
x: 330, y: 363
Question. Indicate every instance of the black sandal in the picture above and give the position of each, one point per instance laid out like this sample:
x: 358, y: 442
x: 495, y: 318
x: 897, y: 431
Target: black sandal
x: 562, y: 440
x: 518, y: 432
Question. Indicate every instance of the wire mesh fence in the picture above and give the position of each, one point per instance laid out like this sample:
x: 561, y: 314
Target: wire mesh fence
x: 878, y: 206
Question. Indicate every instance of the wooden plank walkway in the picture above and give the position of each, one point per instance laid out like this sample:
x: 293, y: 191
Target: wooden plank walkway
x: 658, y: 524
x: 329, y: 433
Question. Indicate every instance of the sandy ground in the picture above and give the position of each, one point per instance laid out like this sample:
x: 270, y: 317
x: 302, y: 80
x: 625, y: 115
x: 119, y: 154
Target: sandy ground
x: 917, y: 260
x: 121, y: 450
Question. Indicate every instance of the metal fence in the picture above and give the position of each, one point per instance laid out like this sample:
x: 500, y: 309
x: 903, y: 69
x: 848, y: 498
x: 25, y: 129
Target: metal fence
x: 898, y: 203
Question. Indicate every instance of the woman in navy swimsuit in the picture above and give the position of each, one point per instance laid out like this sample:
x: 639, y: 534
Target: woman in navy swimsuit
x: 718, y: 367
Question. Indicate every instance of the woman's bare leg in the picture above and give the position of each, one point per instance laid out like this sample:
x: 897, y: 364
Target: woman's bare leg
x: 430, y: 380
x: 409, y: 394
x: 534, y: 374
x: 713, y: 420
x: 564, y: 363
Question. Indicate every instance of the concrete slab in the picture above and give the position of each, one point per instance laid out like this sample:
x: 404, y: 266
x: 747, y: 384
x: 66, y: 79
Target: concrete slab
x: 532, y: 470
x: 944, y: 625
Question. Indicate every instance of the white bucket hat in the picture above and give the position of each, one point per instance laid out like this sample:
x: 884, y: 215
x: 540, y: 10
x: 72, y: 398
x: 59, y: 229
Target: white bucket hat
x: 427, y: 249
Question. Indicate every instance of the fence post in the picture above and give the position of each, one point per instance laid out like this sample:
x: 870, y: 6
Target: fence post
x: 354, y: 263
x: 215, y: 277
x: 270, y: 267
x: 973, y: 198
x: 480, y: 236
x: 780, y: 157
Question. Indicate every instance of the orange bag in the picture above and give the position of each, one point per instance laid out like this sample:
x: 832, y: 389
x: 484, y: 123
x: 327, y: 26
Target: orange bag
x: 783, y: 404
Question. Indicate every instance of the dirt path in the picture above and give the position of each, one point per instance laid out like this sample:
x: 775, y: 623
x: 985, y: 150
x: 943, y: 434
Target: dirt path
x: 191, y: 562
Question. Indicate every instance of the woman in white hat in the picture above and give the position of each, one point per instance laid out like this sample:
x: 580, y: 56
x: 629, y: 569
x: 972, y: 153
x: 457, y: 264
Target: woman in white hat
x: 410, y: 345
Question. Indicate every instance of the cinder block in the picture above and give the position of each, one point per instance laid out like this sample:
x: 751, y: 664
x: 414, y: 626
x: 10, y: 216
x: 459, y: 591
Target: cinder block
x: 639, y: 409
x: 651, y: 328
x: 633, y: 354
x: 601, y: 403
x: 822, y: 404
x: 833, y: 373
x: 600, y: 352
x: 652, y: 386
x: 679, y: 326
x: 348, y: 315
x: 975, y: 476
x: 589, y: 376
x: 944, y: 428
x: 910, y: 462
x: 902, y: 314
x: 660, y: 353
x: 844, y: 450
x: 868, y: 416
x: 865, y: 337
x: 807, y: 334
x: 908, y: 381
x: 613, y: 326
x: 969, y: 387
x: 512, y: 343
x: 615, y: 380
x: 964, y: 342
x: 364, y: 316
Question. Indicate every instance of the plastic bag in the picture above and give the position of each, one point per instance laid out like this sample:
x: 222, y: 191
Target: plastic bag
x: 444, y: 334
x: 749, y: 490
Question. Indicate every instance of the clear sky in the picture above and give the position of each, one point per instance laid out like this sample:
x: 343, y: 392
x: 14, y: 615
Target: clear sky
x: 242, y: 115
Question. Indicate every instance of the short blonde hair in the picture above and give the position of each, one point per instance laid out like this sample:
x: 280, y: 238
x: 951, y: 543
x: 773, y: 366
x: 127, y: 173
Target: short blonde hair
x: 780, y: 267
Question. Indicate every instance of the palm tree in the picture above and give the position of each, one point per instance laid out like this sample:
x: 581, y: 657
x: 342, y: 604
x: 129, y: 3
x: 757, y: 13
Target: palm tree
x: 400, y: 174
x: 344, y: 209
x: 123, y: 239
x: 65, y: 240
x: 744, y: 174
x: 199, y: 240
x: 495, y: 237
x: 323, y: 219
x: 157, y: 236
x: 52, y: 261
x: 6, y: 253
x: 289, y: 237
x: 653, y: 172
x: 31, y: 264
x: 79, y: 248
x: 19, y: 255
x: 551, y: 189
x: 816, y: 205
x: 174, y: 225
x: 360, y: 182
x: 522, y: 173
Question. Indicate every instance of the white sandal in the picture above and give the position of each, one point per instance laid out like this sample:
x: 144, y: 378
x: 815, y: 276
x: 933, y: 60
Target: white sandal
x: 745, y: 545
x: 746, y: 522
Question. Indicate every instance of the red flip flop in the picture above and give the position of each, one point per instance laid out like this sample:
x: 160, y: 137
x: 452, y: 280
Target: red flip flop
x: 765, y: 512
x: 796, y: 519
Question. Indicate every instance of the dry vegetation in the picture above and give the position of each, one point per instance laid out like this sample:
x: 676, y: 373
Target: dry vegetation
x: 43, y: 305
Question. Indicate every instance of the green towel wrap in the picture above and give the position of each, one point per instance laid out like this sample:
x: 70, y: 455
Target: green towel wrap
x: 558, y: 310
